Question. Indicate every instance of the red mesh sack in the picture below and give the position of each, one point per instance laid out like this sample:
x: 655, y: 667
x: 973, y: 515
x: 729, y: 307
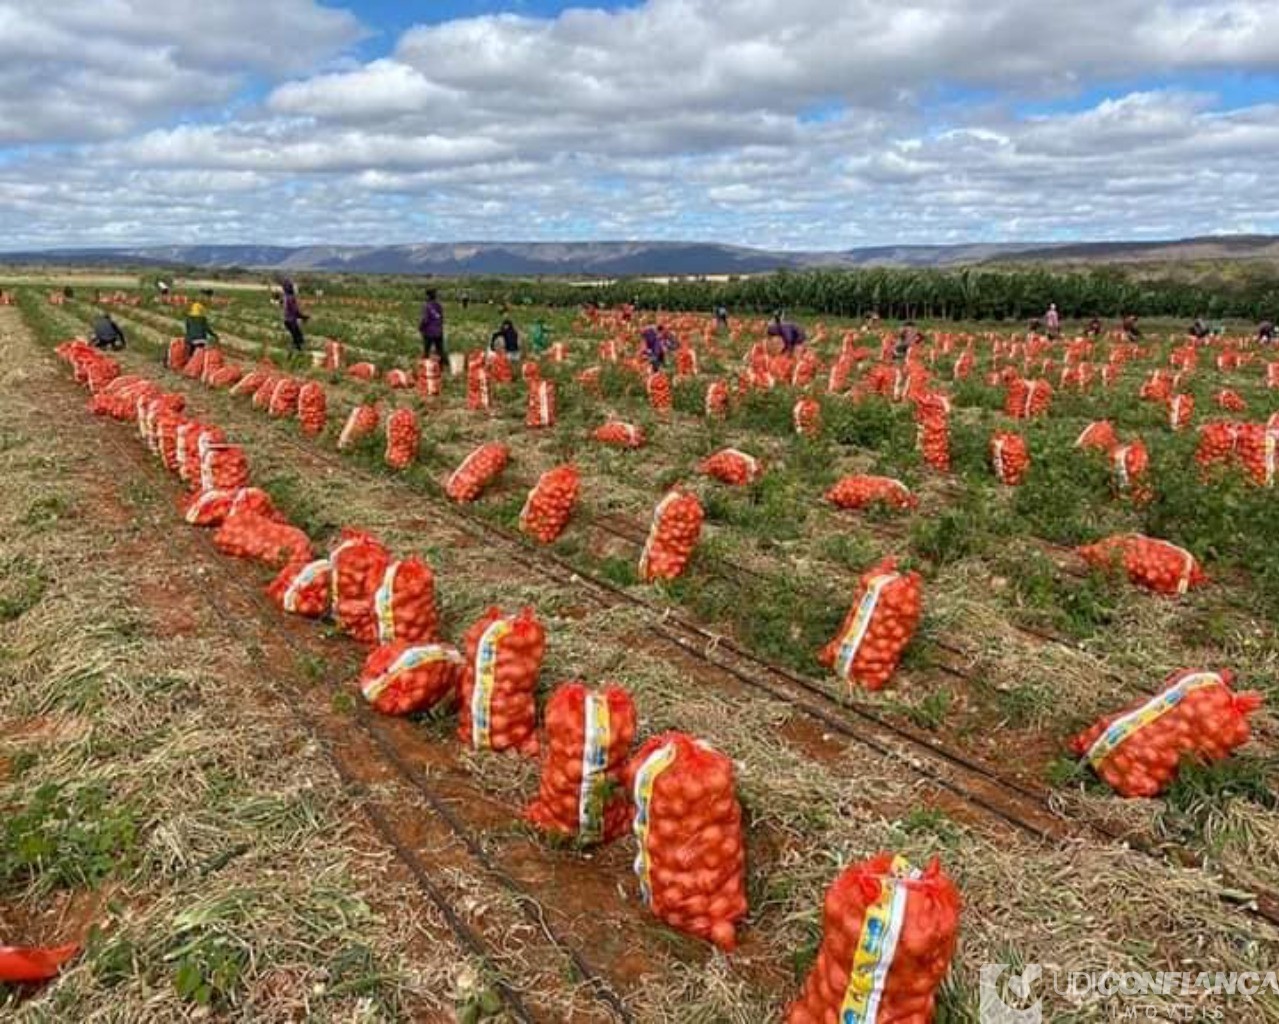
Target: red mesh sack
x: 686, y: 362
x: 188, y: 448
x: 499, y: 367
x: 1272, y: 374
x: 312, y: 408
x: 716, y: 400
x: 932, y: 418
x: 558, y: 352
x: 211, y: 508
x: 541, y: 405
x: 262, y: 396
x: 213, y: 362
x: 225, y: 377
x: 334, y: 355
x: 1009, y: 457
x: 176, y: 355
x: 249, y: 383
x: 430, y: 378
x: 1028, y: 399
x: 303, y: 587
x: 477, y: 471
x: 404, y: 603
x: 1130, y: 463
x: 1153, y: 564
x: 856, y: 492
x: 733, y: 467
x: 658, y: 386
x: 884, y: 615
x: 586, y: 738
x: 166, y: 436
x: 478, y: 397
x: 403, y: 436
x: 549, y: 505
x: 1231, y: 401
x: 359, y: 564
x: 1217, y: 444
x: 619, y: 434
x: 284, y: 398
x: 888, y: 936
x: 362, y: 371
x: 691, y: 859
x: 1099, y: 436
x: 223, y: 467
x: 398, y: 379
x: 1195, y: 715
x: 247, y: 535
x: 807, y: 417
x: 194, y: 366
x: 362, y: 422
x: 1181, y: 408
x: 503, y: 659
x: 676, y: 525
x: 1259, y: 452
x: 1157, y: 387
x: 531, y: 372
x: 406, y: 678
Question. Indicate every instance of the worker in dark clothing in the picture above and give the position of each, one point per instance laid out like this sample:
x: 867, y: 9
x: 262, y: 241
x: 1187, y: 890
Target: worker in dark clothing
x: 431, y: 326
x: 106, y: 332
x: 1093, y: 330
x: 907, y: 338
x: 721, y: 317
x: 507, y: 339
x: 293, y: 316
x: 196, y: 329
x: 1199, y: 329
x: 1266, y: 331
x: 1131, y: 331
x: 792, y: 335
x: 659, y: 342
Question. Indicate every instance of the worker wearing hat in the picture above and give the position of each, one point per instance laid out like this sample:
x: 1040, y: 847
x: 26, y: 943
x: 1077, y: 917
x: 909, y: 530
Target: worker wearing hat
x: 198, y: 333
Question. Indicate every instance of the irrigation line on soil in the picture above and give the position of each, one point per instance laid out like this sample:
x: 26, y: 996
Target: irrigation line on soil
x: 594, y: 979
x: 834, y: 714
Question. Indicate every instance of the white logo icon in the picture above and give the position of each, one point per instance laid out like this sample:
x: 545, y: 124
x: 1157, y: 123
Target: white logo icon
x: 1007, y: 1004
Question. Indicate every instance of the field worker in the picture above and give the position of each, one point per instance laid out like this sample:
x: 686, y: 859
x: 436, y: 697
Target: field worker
x: 656, y: 340
x: 196, y: 329
x: 1266, y: 331
x: 431, y: 327
x: 792, y: 334
x: 540, y: 337
x: 1199, y: 329
x: 1052, y: 320
x: 293, y: 316
x: 1093, y: 330
x: 721, y: 317
x: 907, y: 339
x: 507, y: 338
x: 106, y: 332
x: 1131, y: 331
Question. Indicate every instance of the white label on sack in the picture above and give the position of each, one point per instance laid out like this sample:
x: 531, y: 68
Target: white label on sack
x: 384, y: 605
x: 466, y: 464
x: 200, y: 506
x: 333, y: 580
x: 1151, y: 711
x: 208, y: 452
x: 880, y: 932
x: 1121, y: 466
x: 410, y: 659
x: 348, y: 429
x: 180, y: 446
x: 544, y: 403
x: 591, y: 794
x: 308, y: 574
x: 997, y: 456
x: 658, y: 512
x: 855, y: 635
x: 1271, y: 444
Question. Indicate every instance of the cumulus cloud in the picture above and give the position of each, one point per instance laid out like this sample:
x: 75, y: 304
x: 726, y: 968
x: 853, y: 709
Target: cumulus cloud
x: 80, y: 70
x: 791, y: 123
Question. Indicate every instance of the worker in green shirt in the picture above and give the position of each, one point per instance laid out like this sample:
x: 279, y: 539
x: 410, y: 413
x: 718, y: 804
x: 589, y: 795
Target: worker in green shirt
x: 540, y: 337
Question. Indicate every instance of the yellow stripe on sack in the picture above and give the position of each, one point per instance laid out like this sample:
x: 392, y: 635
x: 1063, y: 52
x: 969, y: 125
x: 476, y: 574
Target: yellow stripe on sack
x: 876, y: 947
x: 1151, y: 711
x: 384, y: 605
x: 486, y: 683
x: 645, y: 779
x: 413, y: 658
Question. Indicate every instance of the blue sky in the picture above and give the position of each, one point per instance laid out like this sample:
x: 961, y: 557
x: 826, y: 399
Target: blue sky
x: 814, y: 124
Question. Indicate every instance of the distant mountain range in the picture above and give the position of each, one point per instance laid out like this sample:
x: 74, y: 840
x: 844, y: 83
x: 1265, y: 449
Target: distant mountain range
x: 638, y: 259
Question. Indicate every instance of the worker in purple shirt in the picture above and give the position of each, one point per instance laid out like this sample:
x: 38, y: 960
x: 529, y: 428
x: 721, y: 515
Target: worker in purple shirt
x: 293, y: 316
x: 792, y: 335
x: 431, y: 327
x: 655, y: 345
